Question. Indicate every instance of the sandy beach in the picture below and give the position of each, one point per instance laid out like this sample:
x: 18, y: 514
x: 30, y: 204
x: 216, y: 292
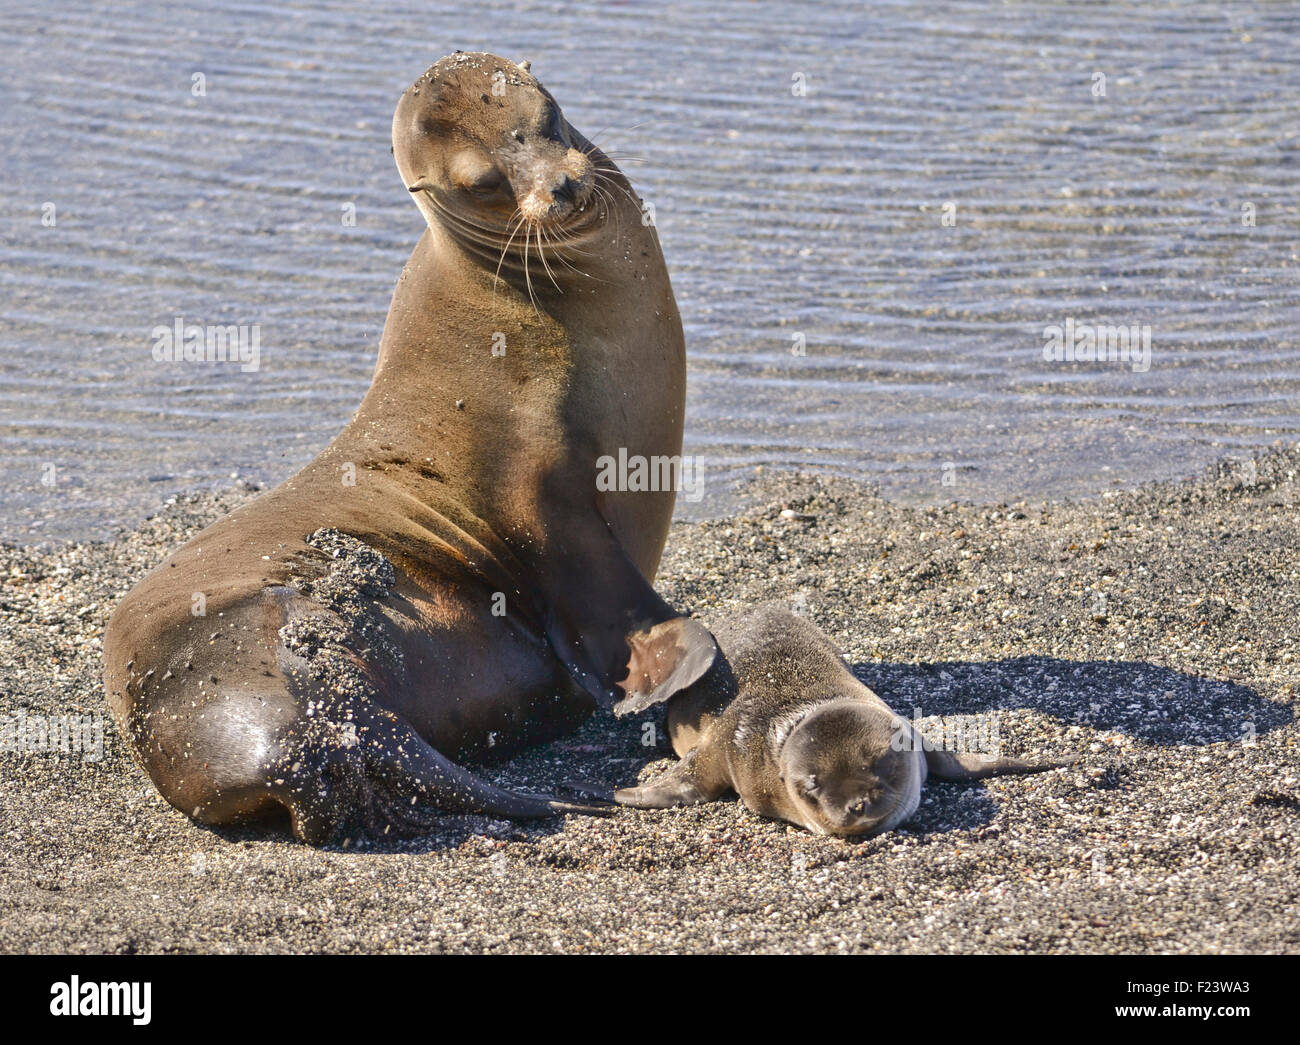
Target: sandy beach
x: 1152, y: 632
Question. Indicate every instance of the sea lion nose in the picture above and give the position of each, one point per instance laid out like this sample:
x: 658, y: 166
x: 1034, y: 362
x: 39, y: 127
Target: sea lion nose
x: 565, y: 190
x: 546, y: 200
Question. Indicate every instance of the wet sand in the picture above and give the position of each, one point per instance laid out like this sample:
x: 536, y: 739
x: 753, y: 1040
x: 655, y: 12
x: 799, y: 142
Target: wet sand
x: 1151, y: 631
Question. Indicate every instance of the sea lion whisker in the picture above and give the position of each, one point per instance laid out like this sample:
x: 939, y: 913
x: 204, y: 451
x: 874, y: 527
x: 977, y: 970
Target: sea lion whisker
x: 557, y: 246
x: 607, y: 202
x: 485, y: 233
x: 592, y: 138
x: 516, y: 222
x: 607, y: 180
x: 482, y: 234
x: 562, y: 239
x: 528, y: 279
x: 559, y: 255
x: 514, y: 225
x: 605, y: 175
x: 541, y: 254
x: 610, y: 208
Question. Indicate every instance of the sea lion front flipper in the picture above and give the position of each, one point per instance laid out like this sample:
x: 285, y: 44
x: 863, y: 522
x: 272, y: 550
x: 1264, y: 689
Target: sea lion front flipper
x: 665, y: 659
x: 679, y: 786
x: 953, y: 765
x: 619, y: 640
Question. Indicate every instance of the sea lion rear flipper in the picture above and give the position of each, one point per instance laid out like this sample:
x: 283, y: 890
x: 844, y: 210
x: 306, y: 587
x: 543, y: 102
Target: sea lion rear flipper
x: 621, y: 642
x: 953, y: 765
x: 378, y: 776
x: 587, y: 792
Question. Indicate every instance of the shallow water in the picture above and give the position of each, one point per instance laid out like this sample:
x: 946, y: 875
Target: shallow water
x: 819, y: 215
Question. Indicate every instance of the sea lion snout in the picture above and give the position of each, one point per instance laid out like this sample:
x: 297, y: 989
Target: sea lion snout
x: 551, y: 187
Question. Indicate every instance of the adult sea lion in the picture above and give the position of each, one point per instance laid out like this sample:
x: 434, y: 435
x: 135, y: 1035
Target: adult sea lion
x: 445, y: 581
x: 784, y: 724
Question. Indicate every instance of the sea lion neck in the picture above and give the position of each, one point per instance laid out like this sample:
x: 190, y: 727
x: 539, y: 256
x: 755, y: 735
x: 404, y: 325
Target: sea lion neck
x: 496, y: 322
x: 460, y: 340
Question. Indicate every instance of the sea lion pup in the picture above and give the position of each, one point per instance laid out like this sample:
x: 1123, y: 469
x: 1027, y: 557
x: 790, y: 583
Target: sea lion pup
x: 432, y: 586
x: 784, y: 724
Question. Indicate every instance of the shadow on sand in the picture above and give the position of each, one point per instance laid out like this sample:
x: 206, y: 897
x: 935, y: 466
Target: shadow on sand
x: 1148, y: 703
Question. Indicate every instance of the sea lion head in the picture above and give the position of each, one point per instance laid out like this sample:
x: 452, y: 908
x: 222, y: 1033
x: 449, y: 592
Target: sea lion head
x: 486, y: 152
x: 846, y: 772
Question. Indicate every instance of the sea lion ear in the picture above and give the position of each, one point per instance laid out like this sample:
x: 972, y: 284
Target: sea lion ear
x: 664, y: 660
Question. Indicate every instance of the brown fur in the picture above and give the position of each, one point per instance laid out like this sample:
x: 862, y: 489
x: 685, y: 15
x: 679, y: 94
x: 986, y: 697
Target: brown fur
x: 340, y: 675
x: 781, y: 721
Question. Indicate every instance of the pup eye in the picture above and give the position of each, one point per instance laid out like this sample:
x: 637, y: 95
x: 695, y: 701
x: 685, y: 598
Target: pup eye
x: 810, y: 786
